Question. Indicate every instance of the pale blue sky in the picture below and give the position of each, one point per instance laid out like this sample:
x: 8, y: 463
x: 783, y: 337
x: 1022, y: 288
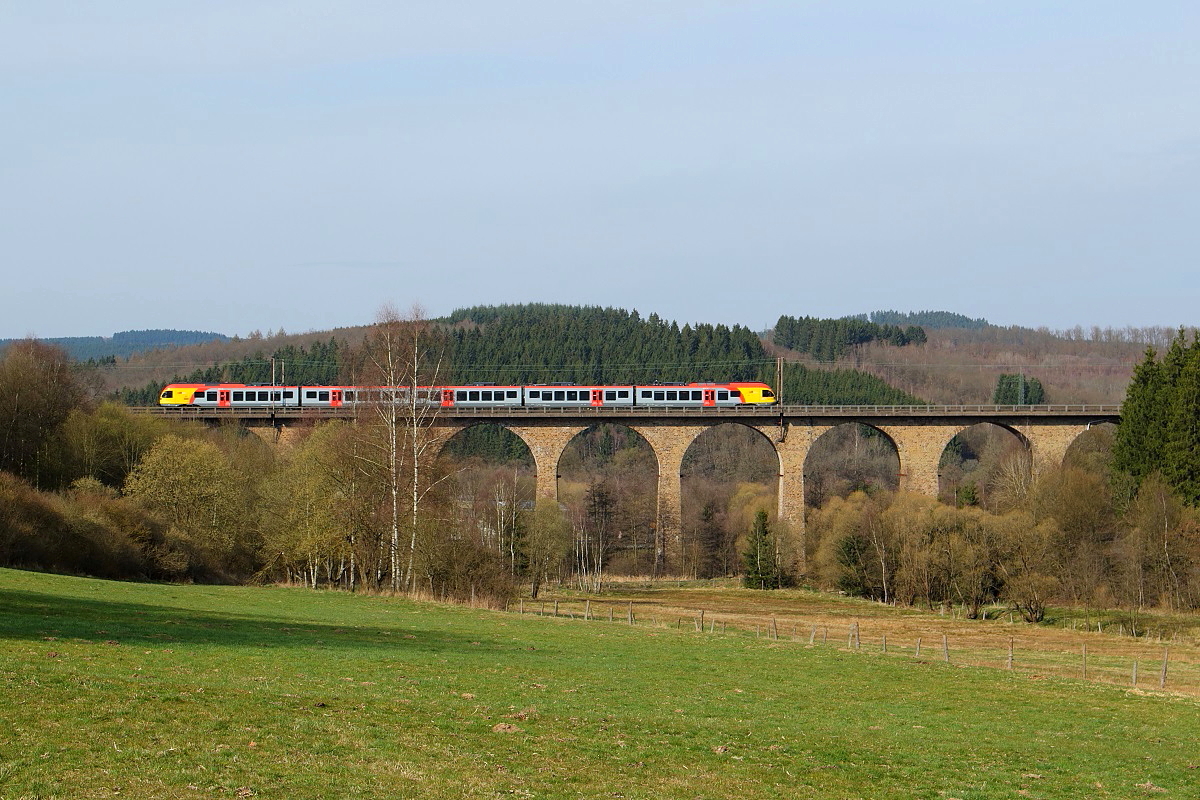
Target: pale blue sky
x: 235, y: 166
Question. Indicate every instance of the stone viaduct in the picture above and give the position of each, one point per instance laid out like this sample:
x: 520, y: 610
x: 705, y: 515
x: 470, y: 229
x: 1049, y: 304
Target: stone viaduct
x: 919, y: 433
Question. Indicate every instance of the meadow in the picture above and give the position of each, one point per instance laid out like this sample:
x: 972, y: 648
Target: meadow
x: 164, y: 691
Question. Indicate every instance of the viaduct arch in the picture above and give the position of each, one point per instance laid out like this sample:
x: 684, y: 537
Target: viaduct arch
x: 919, y: 439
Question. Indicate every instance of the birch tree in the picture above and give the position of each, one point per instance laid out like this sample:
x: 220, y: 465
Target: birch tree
x: 402, y: 359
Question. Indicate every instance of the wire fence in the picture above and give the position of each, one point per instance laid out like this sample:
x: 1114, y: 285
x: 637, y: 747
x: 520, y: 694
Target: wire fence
x: 1137, y: 662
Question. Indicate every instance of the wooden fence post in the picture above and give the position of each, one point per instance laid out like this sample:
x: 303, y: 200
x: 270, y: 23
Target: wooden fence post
x: 945, y: 648
x: 1010, y: 652
x: 918, y: 654
x: 1162, y: 678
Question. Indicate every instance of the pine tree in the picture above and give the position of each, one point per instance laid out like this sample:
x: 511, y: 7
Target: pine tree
x: 761, y: 557
x: 1160, y: 421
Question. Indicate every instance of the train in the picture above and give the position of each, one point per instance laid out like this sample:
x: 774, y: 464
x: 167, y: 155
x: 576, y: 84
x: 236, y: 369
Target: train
x: 548, y: 395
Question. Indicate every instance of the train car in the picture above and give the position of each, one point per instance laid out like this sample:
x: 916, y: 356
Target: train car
x: 329, y: 396
x: 574, y: 396
x: 480, y: 396
x: 229, y: 395
x: 702, y: 395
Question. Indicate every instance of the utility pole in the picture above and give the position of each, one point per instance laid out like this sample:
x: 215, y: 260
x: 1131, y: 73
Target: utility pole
x: 779, y: 380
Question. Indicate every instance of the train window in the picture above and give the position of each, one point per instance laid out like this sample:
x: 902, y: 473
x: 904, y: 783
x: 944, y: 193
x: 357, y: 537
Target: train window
x: 310, y: 395
x: 264, y: 395
x: 610, y: 395
x: 276, y: 396
x: 512, y: 394
x: 560, y: 395
x: 323, y: 396
x: 623, y: 394
x: 210, y: 396
x: 722, y: 395
x: 288, y: 395
x: 168, y: 394
x: 460, y: 395
x: 658, y: 395
x: 472, y: 395
x: 485, y: 396
x: 572, y: 395
x: 672, y: 395
x: 696, y: 395
x: 348, y: 396
x: 646, y: 395
x: 237, y: 397
x: 534, y: 394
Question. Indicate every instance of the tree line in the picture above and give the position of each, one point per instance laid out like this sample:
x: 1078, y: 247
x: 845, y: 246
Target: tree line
x: 1117, y: 526
x: 830, y: 339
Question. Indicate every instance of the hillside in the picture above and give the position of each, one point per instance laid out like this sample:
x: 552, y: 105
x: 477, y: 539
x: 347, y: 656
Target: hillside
x: 535, y: 343
x: 126, y: 343
x: 542, y: 342
x: 959, y: 365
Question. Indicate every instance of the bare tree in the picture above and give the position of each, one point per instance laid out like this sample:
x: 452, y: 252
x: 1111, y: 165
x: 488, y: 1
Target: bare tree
x: 402, y: 364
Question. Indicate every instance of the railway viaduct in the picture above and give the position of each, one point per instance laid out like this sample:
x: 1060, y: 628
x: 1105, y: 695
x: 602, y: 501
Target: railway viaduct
x: 919, y: 433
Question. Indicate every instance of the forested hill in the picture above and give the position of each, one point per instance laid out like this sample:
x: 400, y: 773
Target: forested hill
x: 539, y: 343
x: 543, y: 343
x: 125, y: 343
x: 549, y: 343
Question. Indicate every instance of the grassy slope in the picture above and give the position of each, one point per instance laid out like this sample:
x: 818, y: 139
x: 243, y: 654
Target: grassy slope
x: 179, y: 691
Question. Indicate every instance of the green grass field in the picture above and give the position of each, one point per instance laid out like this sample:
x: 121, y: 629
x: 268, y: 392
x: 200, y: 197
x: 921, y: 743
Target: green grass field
x: 130, y: 690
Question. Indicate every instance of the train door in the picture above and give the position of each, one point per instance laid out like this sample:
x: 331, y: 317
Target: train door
x: 335, y: 398
x: 597, y: 397
x: 710, y: 397
x: 223, y: 398
x: 447, y: 397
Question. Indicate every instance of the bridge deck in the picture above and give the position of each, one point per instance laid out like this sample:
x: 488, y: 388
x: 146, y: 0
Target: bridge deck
x: 980, y: 411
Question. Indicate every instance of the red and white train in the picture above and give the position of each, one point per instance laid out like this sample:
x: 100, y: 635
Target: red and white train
x: 670, y: 395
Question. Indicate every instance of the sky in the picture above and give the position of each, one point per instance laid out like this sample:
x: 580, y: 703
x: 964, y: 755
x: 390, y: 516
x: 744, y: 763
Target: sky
x: 239, y: 166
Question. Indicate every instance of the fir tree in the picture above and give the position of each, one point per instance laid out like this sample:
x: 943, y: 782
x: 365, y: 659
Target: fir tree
x: 761, y: 559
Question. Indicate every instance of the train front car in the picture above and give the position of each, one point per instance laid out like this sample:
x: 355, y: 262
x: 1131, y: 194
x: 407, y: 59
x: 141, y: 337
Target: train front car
x: 228, y: 395
x: 704, y: 395
x: 179, y: 394
x: 755, y: 394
